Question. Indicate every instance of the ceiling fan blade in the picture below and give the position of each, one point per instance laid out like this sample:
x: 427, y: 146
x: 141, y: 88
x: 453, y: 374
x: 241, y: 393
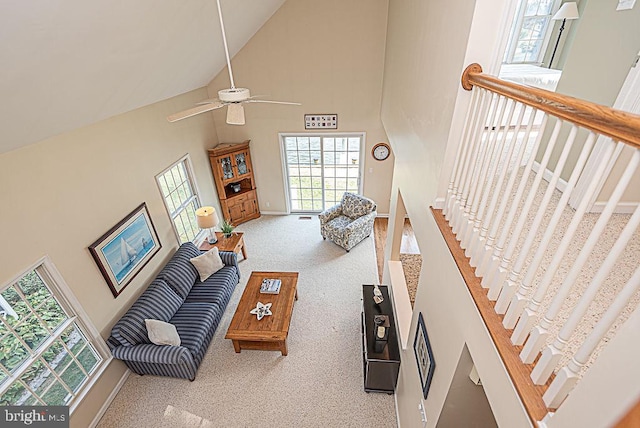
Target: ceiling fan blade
x: 272, y: 102
x: 235, y: 114
x: 209, y: 101
x: 193, y: 111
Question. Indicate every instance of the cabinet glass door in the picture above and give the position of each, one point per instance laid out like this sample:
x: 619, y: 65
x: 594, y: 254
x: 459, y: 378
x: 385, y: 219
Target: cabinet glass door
x: 227, y: 168
x: 241, y: 163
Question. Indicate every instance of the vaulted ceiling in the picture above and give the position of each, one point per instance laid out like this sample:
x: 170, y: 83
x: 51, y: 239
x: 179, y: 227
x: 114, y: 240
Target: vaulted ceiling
x: 65, y: 64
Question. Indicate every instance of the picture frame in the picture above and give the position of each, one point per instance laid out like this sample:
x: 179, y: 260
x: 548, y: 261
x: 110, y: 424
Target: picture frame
x: 424, y: 356
x: 126, y: 248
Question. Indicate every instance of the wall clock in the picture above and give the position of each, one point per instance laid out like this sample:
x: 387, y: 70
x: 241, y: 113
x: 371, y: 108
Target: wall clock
x: 381, y: 151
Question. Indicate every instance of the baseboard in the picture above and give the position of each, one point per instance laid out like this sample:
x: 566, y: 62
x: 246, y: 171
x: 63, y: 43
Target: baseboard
x: 395, y: 400
x: 598, y: 207
x: 621, y: 208
x: 273, y: 213
x: 109, y: 399
x: 561, y: 185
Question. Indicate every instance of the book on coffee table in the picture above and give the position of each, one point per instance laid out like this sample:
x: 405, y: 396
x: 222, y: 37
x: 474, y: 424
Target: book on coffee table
x: 270, y: 286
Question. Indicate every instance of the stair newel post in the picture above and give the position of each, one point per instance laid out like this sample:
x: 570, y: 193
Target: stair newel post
x: 567, y: 377
x: 484, y: 262
x: 509, y: 288
x: 494, y: 261
x: 461, y: 152
x: 585, y: 252
x: 470, y: 161
x: 551, y: 354
x: 498, y: 169
x: 505, y: 263
x: 486, y: 142
x: 527, y: 320
x: 520, y: 299
x: 486, y: 176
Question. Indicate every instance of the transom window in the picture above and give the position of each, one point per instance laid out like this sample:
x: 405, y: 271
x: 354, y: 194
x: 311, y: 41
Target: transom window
x: 46, y: 357
x: 530, y: 32
x: 179, y: 192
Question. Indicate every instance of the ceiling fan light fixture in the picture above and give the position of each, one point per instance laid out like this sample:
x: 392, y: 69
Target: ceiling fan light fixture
x: 235, y: 114
x: 234, y: 95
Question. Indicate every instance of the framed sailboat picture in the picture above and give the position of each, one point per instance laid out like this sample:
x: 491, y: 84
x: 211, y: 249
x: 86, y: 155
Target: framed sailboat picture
x: 126, y: 248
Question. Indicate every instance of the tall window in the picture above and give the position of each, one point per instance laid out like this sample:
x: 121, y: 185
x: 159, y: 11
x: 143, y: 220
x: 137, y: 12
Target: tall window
x: 46, y: 356
x: 180, y: 194
x: 320, y: 168
x: 530, y: 32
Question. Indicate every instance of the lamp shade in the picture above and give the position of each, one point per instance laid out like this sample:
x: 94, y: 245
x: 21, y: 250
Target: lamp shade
x: 206, y: 217
x: 568, y: 10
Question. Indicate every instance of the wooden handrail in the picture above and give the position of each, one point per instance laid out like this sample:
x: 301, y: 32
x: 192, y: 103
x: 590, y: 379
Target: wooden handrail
x: 617, y: 124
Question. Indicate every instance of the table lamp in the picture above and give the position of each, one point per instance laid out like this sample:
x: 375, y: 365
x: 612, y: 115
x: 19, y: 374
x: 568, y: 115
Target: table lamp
x: 207, y: 218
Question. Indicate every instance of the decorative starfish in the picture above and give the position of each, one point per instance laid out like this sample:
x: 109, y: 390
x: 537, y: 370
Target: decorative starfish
x: 261, y: 310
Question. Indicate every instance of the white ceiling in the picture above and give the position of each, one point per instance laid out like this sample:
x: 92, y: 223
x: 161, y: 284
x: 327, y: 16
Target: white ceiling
x: 69, y: 63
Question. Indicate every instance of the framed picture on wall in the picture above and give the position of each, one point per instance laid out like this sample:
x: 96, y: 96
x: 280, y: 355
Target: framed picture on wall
x: 424, y: 356
x: 126, y: 248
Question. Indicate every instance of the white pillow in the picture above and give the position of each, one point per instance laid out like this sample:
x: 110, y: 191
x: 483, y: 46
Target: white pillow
x: 208, y: 263
x: 162, y: 333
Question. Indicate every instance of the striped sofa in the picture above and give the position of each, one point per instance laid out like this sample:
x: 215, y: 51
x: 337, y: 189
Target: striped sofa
x: 176, y: 296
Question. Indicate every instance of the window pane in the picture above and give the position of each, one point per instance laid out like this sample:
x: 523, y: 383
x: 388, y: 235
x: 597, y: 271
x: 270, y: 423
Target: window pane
x: 52, y: 313
x: 33, y: 289
x: 32, y: 332
x: 57, y: 395
x: 73, y: 376
x: 38, y: 377
x: 16, y: 395
x: 12, y: 352
x: 88, y: 359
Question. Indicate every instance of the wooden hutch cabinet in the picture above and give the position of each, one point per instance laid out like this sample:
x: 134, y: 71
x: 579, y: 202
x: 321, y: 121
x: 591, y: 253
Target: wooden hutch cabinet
x: 233, y: 174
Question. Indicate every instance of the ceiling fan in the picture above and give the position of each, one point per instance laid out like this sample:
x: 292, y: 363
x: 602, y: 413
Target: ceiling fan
x: 233, y: 98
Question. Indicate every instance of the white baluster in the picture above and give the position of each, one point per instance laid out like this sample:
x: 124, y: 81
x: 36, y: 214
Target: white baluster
x: 498, y: 162
x: 585, y: 252
x: 528, y: 318
x: 520, y: 299
x: 480, y: 172
x: 552, y: 353
x: 503, y: 269
x: 469, y: 163
x: 461, y: 152
x: 509, y: 287
x: 566, y: 379
x: 483, y: 264
x: 492, y: 273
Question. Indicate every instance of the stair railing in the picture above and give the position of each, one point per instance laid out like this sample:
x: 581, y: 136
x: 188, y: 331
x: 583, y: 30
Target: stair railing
x: 504, y: 205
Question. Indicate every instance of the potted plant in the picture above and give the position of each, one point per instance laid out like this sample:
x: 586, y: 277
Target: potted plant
x: 226, y: 228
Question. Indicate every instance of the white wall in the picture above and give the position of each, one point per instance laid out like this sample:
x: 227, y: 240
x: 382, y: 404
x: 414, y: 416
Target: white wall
x: 428, y: 46
x: 60, y: 195
x: 327, y: 55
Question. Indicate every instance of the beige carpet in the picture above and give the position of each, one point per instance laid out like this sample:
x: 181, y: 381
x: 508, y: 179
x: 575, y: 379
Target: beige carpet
x: 411, y: 265
x: 320, y: 382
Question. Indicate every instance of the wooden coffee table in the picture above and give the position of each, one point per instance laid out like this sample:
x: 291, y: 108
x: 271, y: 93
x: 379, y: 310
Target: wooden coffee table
x: 233, y: 243
x: 270, y: 333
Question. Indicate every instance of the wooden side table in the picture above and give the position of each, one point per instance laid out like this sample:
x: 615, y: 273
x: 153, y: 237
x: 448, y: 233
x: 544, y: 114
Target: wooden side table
x: 233, y: 243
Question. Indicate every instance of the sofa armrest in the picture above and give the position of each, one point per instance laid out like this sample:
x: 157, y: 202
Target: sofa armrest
x: 150, y: 353
x: 361, y: 222
x: 330, y: 213
x: 229, y: 258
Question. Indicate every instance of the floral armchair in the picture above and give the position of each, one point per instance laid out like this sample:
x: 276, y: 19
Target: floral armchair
x: 349, y: 222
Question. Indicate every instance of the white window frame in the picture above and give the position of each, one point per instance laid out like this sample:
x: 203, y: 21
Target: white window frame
x: 186, y: 159
x: 515, y: 34
x: 285, y: 169
x: 58, y: 287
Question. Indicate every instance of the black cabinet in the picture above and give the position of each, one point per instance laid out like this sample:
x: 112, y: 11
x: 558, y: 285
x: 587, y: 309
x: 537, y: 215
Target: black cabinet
x: 381, y: 358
